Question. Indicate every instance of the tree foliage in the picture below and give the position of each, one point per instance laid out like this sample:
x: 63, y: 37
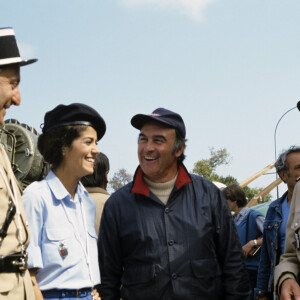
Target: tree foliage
x: 207, y: 168
x: 119, y: 179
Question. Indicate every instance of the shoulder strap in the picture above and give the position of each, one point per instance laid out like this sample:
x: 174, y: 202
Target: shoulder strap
x: 247, y: 223
x: 9, y: 217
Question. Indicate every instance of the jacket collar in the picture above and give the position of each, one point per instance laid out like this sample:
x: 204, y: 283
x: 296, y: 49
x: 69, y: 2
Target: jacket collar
x: 278, y: 202
x: 140, y: 187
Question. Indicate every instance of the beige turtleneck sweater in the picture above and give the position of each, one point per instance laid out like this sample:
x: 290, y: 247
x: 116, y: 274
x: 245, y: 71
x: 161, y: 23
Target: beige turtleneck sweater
x: 161, y: 190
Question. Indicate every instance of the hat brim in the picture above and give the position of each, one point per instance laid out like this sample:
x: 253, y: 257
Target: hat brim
x: 21, y: 63
x: 28, y: 62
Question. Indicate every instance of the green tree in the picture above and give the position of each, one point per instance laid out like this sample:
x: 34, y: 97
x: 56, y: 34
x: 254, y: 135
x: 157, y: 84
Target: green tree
x: 207, y: 168
x: 119, y: 179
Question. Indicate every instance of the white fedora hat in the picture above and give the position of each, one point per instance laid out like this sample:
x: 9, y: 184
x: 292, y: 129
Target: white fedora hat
x: 9, y: 52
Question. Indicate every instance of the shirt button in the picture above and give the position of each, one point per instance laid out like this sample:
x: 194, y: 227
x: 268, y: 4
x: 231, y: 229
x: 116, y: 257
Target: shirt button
x: 174, y: 276
x: 171, y: 243
x: 167, y: 210
x: 276, y: 225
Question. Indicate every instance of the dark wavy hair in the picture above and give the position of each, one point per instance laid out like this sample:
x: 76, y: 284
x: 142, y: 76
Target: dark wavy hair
x: 235, y: 193
x: 51, y: 143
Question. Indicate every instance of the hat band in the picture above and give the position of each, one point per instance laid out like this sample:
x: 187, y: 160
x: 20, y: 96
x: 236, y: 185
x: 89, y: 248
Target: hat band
x: 68, y: 123
x: 6, y: 31
x: 7, y: 61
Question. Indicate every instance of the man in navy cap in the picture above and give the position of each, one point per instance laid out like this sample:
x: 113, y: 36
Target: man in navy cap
x: 168, y: 234
x: 15, y: 282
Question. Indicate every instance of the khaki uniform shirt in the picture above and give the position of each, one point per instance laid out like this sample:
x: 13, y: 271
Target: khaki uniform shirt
x: 12, y: 285
x: 289, y: 265
x: 100, y: 196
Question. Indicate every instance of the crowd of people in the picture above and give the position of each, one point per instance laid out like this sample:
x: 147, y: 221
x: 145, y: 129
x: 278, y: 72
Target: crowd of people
x: 168, y: 234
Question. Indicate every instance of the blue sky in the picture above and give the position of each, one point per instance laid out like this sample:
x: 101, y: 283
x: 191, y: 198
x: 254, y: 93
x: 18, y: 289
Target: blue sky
x: 230, y: 68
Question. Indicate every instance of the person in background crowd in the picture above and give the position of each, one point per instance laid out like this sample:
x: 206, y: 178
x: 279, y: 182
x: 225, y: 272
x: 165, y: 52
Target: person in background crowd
x: 249, y: 225
x: 96, y: 185
x: 15, y: 281
x: 62, y: 254
x: 288, y: 168
x: 168, y: 234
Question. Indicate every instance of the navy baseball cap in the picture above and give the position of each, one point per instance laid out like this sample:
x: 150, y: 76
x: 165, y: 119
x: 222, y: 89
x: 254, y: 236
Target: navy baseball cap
x: 74, y: 114
x: 161, y: 115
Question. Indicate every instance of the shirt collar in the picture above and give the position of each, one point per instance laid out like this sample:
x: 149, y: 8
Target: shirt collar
x: 140, y: 187
x: 59, y: 190
x: 243, y: 212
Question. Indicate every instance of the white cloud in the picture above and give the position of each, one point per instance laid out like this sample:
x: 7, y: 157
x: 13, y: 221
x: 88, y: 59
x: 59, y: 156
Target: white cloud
x: 27, y: 51
x: 194, y: 9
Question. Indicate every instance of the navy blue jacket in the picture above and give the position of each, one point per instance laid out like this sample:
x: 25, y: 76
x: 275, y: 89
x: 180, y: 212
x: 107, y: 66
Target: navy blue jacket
x: 187, y: 249
x: 270, y: 250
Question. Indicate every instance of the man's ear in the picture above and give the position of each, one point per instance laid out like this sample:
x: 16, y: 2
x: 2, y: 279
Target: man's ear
x: 283, y: 175
x: 180, y: 151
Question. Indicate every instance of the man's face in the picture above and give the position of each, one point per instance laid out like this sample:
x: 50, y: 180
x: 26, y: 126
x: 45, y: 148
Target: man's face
x: 293, y: 162
x: 155, y: 152
x: 9, y: 89
x: 232, y: 205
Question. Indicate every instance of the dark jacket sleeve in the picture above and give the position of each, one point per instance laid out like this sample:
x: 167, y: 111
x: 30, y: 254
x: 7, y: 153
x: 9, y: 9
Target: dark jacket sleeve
x: 235, y: 280
x: 109, y: 255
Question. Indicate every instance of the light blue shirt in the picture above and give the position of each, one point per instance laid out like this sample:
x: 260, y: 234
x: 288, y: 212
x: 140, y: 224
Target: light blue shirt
x: 50, y: 228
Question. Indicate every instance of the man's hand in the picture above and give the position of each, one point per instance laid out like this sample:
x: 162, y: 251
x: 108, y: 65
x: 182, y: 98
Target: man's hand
x: 290, y: 288
x: 247, y: 248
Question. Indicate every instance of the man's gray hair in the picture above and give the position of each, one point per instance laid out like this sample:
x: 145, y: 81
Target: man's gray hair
x: 179, y: 142
x: 281, y: 163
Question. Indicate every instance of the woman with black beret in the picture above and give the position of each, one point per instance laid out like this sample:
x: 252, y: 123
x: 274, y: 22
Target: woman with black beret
x: 62, y: 254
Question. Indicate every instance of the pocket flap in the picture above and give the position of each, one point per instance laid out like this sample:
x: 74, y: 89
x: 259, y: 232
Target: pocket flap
x: 58, y: 234
x: 208, y: 267
x: 268, y: 225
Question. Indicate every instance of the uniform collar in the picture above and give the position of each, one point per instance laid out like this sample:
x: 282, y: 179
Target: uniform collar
x: 140, y: 187
x: 59, y: 191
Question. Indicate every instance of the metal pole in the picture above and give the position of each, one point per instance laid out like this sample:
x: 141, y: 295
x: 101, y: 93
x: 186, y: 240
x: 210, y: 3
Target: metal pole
x: 298, y: 105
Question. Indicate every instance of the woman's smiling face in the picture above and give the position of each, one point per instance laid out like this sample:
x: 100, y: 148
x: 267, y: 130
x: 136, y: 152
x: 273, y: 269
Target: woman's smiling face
x: 79, y: 158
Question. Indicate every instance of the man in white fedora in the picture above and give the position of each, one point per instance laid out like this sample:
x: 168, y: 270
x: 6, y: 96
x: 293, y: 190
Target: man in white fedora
x: 15, y: 282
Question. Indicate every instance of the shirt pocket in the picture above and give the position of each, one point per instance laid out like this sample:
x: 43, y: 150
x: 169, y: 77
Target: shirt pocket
x: 271, y: 231
x: 60, y: 248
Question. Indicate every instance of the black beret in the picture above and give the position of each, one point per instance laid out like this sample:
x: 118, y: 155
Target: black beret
x: 74, y: 114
